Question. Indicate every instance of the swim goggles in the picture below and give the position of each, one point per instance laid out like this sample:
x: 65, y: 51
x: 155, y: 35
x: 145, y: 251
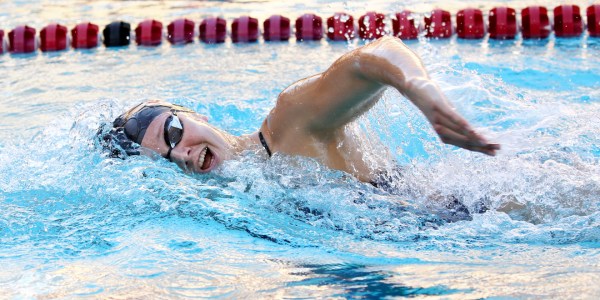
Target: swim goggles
x: 173, y: 132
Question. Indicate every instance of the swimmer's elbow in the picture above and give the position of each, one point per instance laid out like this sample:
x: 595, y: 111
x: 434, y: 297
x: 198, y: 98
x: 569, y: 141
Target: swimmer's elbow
x: 387, y: 41
x: 386, y: 47
x: 389, y: 61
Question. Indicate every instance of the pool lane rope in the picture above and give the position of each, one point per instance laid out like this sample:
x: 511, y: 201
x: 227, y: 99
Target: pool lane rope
x: 469, y: 24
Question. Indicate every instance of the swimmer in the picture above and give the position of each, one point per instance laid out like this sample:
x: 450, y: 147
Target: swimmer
x: 308, y: 119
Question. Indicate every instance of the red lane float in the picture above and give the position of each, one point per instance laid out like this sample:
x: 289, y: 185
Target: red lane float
x: 53, y: 38
x: 469, y: 24
x: 593, y: 20
x: 403, y: 26
x: 276, y: 28
x: 180, y: 31
x: 567, y: 21
x: 535, y: 22
x: 503, y: 23
x: 309, y: 27
x: 371, y: 26
x: 149, y: 33
x: 340, y: 27
x: 21, y: 39
x: 213, y: 30
x: 84, y: 36
x: 244, y: 29
x: 438, y: 25
x: 1, y: 41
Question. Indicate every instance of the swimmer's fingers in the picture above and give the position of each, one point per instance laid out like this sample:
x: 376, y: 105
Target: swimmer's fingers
x: 455, y: 130
x: 448, y: 118
x: 470, y: 141
x: 460, y: 133
x: 489, y: 149
x: 477, y: 142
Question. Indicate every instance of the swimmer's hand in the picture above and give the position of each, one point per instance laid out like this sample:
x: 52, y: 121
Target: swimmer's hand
x: 455, y: 130
x: 388, y: 61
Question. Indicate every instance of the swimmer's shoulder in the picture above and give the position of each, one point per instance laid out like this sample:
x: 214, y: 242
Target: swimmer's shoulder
x: 294, y: 108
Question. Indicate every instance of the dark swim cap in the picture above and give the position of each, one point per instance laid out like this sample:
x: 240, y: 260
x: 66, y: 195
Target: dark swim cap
x: 128, y: 129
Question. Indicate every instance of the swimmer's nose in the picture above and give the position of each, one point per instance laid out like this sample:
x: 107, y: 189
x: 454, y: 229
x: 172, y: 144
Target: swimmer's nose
x: 183, y: 157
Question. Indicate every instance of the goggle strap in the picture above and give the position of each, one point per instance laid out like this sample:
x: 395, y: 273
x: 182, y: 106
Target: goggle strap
x: 169, y: 154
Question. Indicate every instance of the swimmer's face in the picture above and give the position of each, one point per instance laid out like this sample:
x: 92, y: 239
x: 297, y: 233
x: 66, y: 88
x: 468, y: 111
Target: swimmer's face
x: 202, y: 148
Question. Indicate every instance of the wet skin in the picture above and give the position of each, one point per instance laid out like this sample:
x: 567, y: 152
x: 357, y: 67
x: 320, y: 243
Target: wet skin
x: 311, y: 117
x: 202, y: 148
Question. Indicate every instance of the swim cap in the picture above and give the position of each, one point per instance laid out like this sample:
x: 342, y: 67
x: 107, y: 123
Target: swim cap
x: 128, y: 129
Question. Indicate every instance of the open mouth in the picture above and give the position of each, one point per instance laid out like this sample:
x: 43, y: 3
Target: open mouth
x: 205, y: 160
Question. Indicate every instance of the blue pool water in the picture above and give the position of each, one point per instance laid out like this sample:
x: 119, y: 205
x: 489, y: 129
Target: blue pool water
x: 74, y: 223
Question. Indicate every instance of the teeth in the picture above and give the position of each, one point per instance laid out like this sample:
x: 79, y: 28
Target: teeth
x: 201, y: 158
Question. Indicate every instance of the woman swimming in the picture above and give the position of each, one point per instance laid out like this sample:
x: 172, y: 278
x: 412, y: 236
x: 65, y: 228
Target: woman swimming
x: 309, y: 118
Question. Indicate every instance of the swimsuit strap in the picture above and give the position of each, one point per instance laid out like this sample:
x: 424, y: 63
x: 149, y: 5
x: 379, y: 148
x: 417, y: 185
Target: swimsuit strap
x: 264, y: 143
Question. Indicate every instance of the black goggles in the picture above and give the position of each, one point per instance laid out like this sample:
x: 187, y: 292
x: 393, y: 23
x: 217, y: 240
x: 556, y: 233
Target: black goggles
x: 173, y: 132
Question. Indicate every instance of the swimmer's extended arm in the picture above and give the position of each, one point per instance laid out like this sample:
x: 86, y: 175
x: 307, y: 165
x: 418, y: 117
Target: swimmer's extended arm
x: 355, y: 82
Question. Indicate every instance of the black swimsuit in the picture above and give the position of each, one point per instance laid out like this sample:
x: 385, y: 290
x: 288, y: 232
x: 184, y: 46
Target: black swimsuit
x: 264, y: 143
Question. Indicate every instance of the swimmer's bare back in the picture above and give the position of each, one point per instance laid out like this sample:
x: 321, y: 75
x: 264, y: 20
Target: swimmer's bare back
x: 309, y: 117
